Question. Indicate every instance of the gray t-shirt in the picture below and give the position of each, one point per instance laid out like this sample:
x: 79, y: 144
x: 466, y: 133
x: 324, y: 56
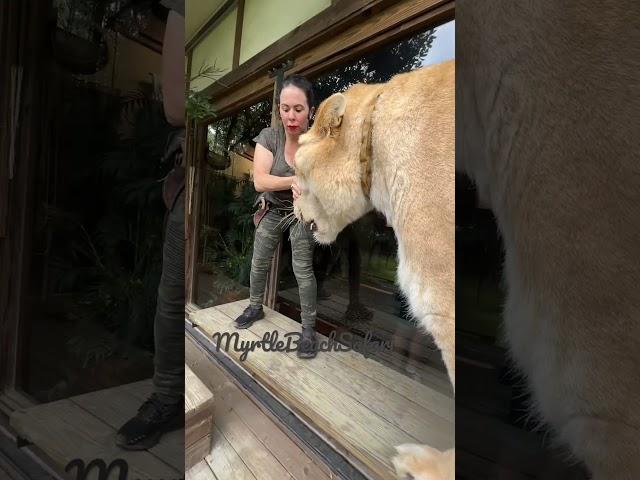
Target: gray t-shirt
x: 273, y: 139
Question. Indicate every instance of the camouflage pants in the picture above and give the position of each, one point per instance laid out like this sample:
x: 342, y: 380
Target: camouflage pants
x: 266, y: 240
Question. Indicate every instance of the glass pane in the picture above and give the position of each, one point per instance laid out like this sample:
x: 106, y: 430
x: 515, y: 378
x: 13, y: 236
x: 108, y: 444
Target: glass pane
x: 226, y: 232
x: 98, y: 220
x: 383, y: 391
x: 357, y: 292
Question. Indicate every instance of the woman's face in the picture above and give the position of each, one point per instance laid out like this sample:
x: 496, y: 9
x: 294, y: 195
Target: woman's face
x: 294, y: 110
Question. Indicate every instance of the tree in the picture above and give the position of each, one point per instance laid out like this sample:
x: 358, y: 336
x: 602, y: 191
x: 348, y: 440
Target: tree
x: 377, y: 67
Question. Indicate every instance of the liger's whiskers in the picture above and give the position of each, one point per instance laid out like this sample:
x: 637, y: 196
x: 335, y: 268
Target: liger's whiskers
x: 285, y: 219
x: 291, y: 220
x: 295, y: 228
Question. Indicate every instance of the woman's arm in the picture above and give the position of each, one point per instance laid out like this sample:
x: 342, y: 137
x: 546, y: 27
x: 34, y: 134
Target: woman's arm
x: 173, y: 82
x: 262, y: 180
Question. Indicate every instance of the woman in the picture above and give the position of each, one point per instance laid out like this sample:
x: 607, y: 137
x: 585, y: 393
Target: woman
x: 274, y: 175
x: 164, y: 409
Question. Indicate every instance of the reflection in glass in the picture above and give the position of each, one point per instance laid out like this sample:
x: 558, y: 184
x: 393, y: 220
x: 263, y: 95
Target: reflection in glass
x: 226, y: 233
x: 356, y: 275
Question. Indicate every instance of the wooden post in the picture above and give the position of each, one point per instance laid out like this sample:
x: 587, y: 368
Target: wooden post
x: 238, y: 38
x: 271, y: 291
x: 196, y: 140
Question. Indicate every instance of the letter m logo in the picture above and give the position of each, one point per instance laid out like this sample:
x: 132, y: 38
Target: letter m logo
x: 103, y: 470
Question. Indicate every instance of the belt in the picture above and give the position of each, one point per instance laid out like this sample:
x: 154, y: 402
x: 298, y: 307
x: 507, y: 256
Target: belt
x: 282, y: 211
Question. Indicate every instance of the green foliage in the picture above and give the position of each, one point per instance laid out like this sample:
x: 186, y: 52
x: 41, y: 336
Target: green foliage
x: 198, y: 105
x: 228, y: 132
x: 229, y: 243
x: 227, y: 236
x: 378, y: 66
x: 106, y: 249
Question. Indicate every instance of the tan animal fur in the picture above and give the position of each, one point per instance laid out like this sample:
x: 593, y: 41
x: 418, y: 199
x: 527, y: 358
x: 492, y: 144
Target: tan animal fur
x: 548, y: 96
x: 411, y: 161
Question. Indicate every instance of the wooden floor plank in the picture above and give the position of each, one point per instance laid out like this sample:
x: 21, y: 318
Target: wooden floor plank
x: 172, y: 444
x: 86, y: 437
x: 415, y: 420
x: 427, y: 395
x: 225, y: 462
x: 362, y: 433
x: 229, y: 396
x: 115, y: 406
x: 17, y: 458
x: 418, y: 363
x: 200, y: 471
x: 8, y: 470
x: 420, y: 347
x: 431, y: 390
x: 384, y: 321
x: 253, y: 452
x: 6, y: 473
x: 471, y: 467
x: 506, y: 447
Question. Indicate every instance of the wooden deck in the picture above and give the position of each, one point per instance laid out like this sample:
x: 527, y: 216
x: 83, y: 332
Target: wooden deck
x: 363, y: 407
x: 15, y: 464
x: 198, y: 418
x: 414, y: 352
x: 84, y: 427
x: 247, y: 444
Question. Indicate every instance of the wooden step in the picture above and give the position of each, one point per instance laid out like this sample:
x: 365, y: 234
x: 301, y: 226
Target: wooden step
x: 84, y: 428
x: 198, y: 418
x: 363, y: 407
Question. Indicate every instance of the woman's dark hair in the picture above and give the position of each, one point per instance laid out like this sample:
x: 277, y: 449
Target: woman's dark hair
x: 303, y: 84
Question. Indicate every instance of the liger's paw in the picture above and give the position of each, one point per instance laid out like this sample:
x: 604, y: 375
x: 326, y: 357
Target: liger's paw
x: 420, y: 462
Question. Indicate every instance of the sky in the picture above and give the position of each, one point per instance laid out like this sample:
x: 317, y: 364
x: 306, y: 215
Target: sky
x: 443, y: 46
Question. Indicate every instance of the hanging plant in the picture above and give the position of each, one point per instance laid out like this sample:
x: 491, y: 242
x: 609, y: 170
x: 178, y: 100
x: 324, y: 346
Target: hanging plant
x: 218, y: 161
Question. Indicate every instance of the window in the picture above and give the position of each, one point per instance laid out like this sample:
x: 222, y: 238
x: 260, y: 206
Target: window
x: 356, y: 276
x: 97, y: 236
x: 364, y: 402
x: 226, y: 232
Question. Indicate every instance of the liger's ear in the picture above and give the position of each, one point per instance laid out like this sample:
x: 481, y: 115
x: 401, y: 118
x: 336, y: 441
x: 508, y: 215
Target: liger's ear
x: 337, y: 104
x: 330, y: 113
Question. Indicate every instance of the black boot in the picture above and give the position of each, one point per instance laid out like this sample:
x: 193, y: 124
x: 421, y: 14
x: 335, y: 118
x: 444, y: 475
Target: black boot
x: 308, y: 346
x: 323, y: 293
x: 250, y: 315
x: 357, y: 313
x: 154, y: 418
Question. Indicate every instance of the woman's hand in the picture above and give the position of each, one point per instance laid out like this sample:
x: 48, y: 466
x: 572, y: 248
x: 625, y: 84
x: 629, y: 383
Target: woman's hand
x: 295, y: 188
